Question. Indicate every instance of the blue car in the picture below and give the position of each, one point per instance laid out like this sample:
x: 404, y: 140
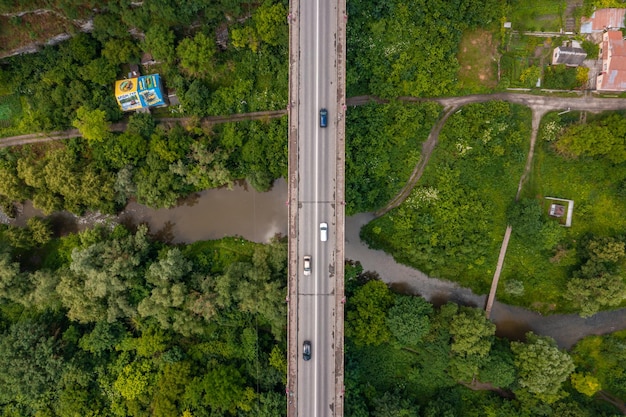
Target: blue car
x: 323, y: 118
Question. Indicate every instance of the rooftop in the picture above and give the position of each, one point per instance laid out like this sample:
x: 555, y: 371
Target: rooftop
x: 602, y: 19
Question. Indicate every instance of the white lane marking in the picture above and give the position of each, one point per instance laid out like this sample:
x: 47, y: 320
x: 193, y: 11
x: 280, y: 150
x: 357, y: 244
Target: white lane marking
x: 317, y: 232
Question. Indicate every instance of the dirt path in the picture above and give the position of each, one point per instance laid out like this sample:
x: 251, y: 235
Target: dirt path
x: 537, y: 115
x: 120, y: 127
x: 512, y: 322
x: 539, y: 106
x: 427, y: 149
x: 536, y: 120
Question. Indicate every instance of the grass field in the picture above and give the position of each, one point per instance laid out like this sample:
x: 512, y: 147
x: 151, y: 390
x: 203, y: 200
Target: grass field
x: 532, y: 15
x: 477, y: 56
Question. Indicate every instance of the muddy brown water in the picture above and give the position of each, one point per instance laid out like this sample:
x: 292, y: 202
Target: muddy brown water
x: 213, y: 214
x: 209, y: 214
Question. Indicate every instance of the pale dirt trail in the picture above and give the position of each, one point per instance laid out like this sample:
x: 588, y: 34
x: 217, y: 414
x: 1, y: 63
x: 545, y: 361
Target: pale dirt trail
x: 121, y: 126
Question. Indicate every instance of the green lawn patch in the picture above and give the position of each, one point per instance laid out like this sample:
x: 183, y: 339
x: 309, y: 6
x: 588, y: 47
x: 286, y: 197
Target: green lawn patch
x: 543, y: 16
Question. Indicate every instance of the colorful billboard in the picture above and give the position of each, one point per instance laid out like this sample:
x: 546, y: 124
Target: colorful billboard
x: 136, y: 93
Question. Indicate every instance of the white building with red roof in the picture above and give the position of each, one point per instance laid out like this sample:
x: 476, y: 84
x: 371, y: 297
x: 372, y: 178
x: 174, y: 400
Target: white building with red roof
x: 612, y: 77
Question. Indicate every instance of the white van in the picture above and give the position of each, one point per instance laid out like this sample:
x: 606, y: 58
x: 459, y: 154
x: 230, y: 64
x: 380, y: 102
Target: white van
x: 323, y: 232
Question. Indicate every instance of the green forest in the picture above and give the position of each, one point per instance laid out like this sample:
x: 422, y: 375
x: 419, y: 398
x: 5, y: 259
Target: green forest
x: 381, y: 153
x: 109, y: 322
x: 154, y: 165
x: 249, y: 73
x: 406, y: 357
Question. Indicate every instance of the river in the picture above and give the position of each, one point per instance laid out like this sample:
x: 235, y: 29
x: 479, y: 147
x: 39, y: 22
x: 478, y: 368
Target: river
x: 255, y: 216
x: 209, y: 214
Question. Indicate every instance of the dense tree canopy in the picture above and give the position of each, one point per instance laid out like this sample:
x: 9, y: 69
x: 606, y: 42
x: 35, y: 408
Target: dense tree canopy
x: 605, y: 137
x: 432, y: 376
x: 157, y: 166
x: 542, y: 367
x: 125, y: 326
x: 599, y: 281
x: 409, y: 319
x: 366, y: 314
x: 383, y: 145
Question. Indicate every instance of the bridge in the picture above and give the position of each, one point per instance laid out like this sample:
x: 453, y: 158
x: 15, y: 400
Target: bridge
x: 316, y: 207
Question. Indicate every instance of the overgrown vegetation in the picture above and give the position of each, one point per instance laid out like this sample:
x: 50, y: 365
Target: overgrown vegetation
x: 398, y: 49
x: 108, y: 322
x: 154, y: 165
x: 451, y: 225
x: 384, y: 143
x: 600, y: 363
x: 542, y: 16
x: 406, y: 358
x: 209, y: 74
x: 554, y: 265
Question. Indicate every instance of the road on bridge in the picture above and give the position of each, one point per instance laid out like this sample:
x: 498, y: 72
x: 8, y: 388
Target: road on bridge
x: 316, y: 187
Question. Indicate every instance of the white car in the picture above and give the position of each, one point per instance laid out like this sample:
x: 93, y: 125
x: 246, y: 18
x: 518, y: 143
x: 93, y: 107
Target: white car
x: 307, y: 265
x: 323, y: 232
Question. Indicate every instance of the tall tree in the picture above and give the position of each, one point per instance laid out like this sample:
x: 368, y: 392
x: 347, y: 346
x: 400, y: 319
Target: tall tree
x: 409, y: 319
x: 366, y: 315
x: 222, y: 388
x: 257, y: 287
x: 542, y: 367
x: 31, y: 365
x: 92, y: 124
x: 472, y: 336
x: 103, y: 278
x: 394, y: 405
x: 197, y: 55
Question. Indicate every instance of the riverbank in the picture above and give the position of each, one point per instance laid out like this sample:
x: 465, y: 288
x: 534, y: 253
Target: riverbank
x: 209, y: 214
x: 511, y: 321
x: 212, y: 214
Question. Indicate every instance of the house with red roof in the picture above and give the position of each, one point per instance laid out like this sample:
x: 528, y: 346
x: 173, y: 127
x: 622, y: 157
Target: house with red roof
x: 603, y: 19
x: 612, y: 76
